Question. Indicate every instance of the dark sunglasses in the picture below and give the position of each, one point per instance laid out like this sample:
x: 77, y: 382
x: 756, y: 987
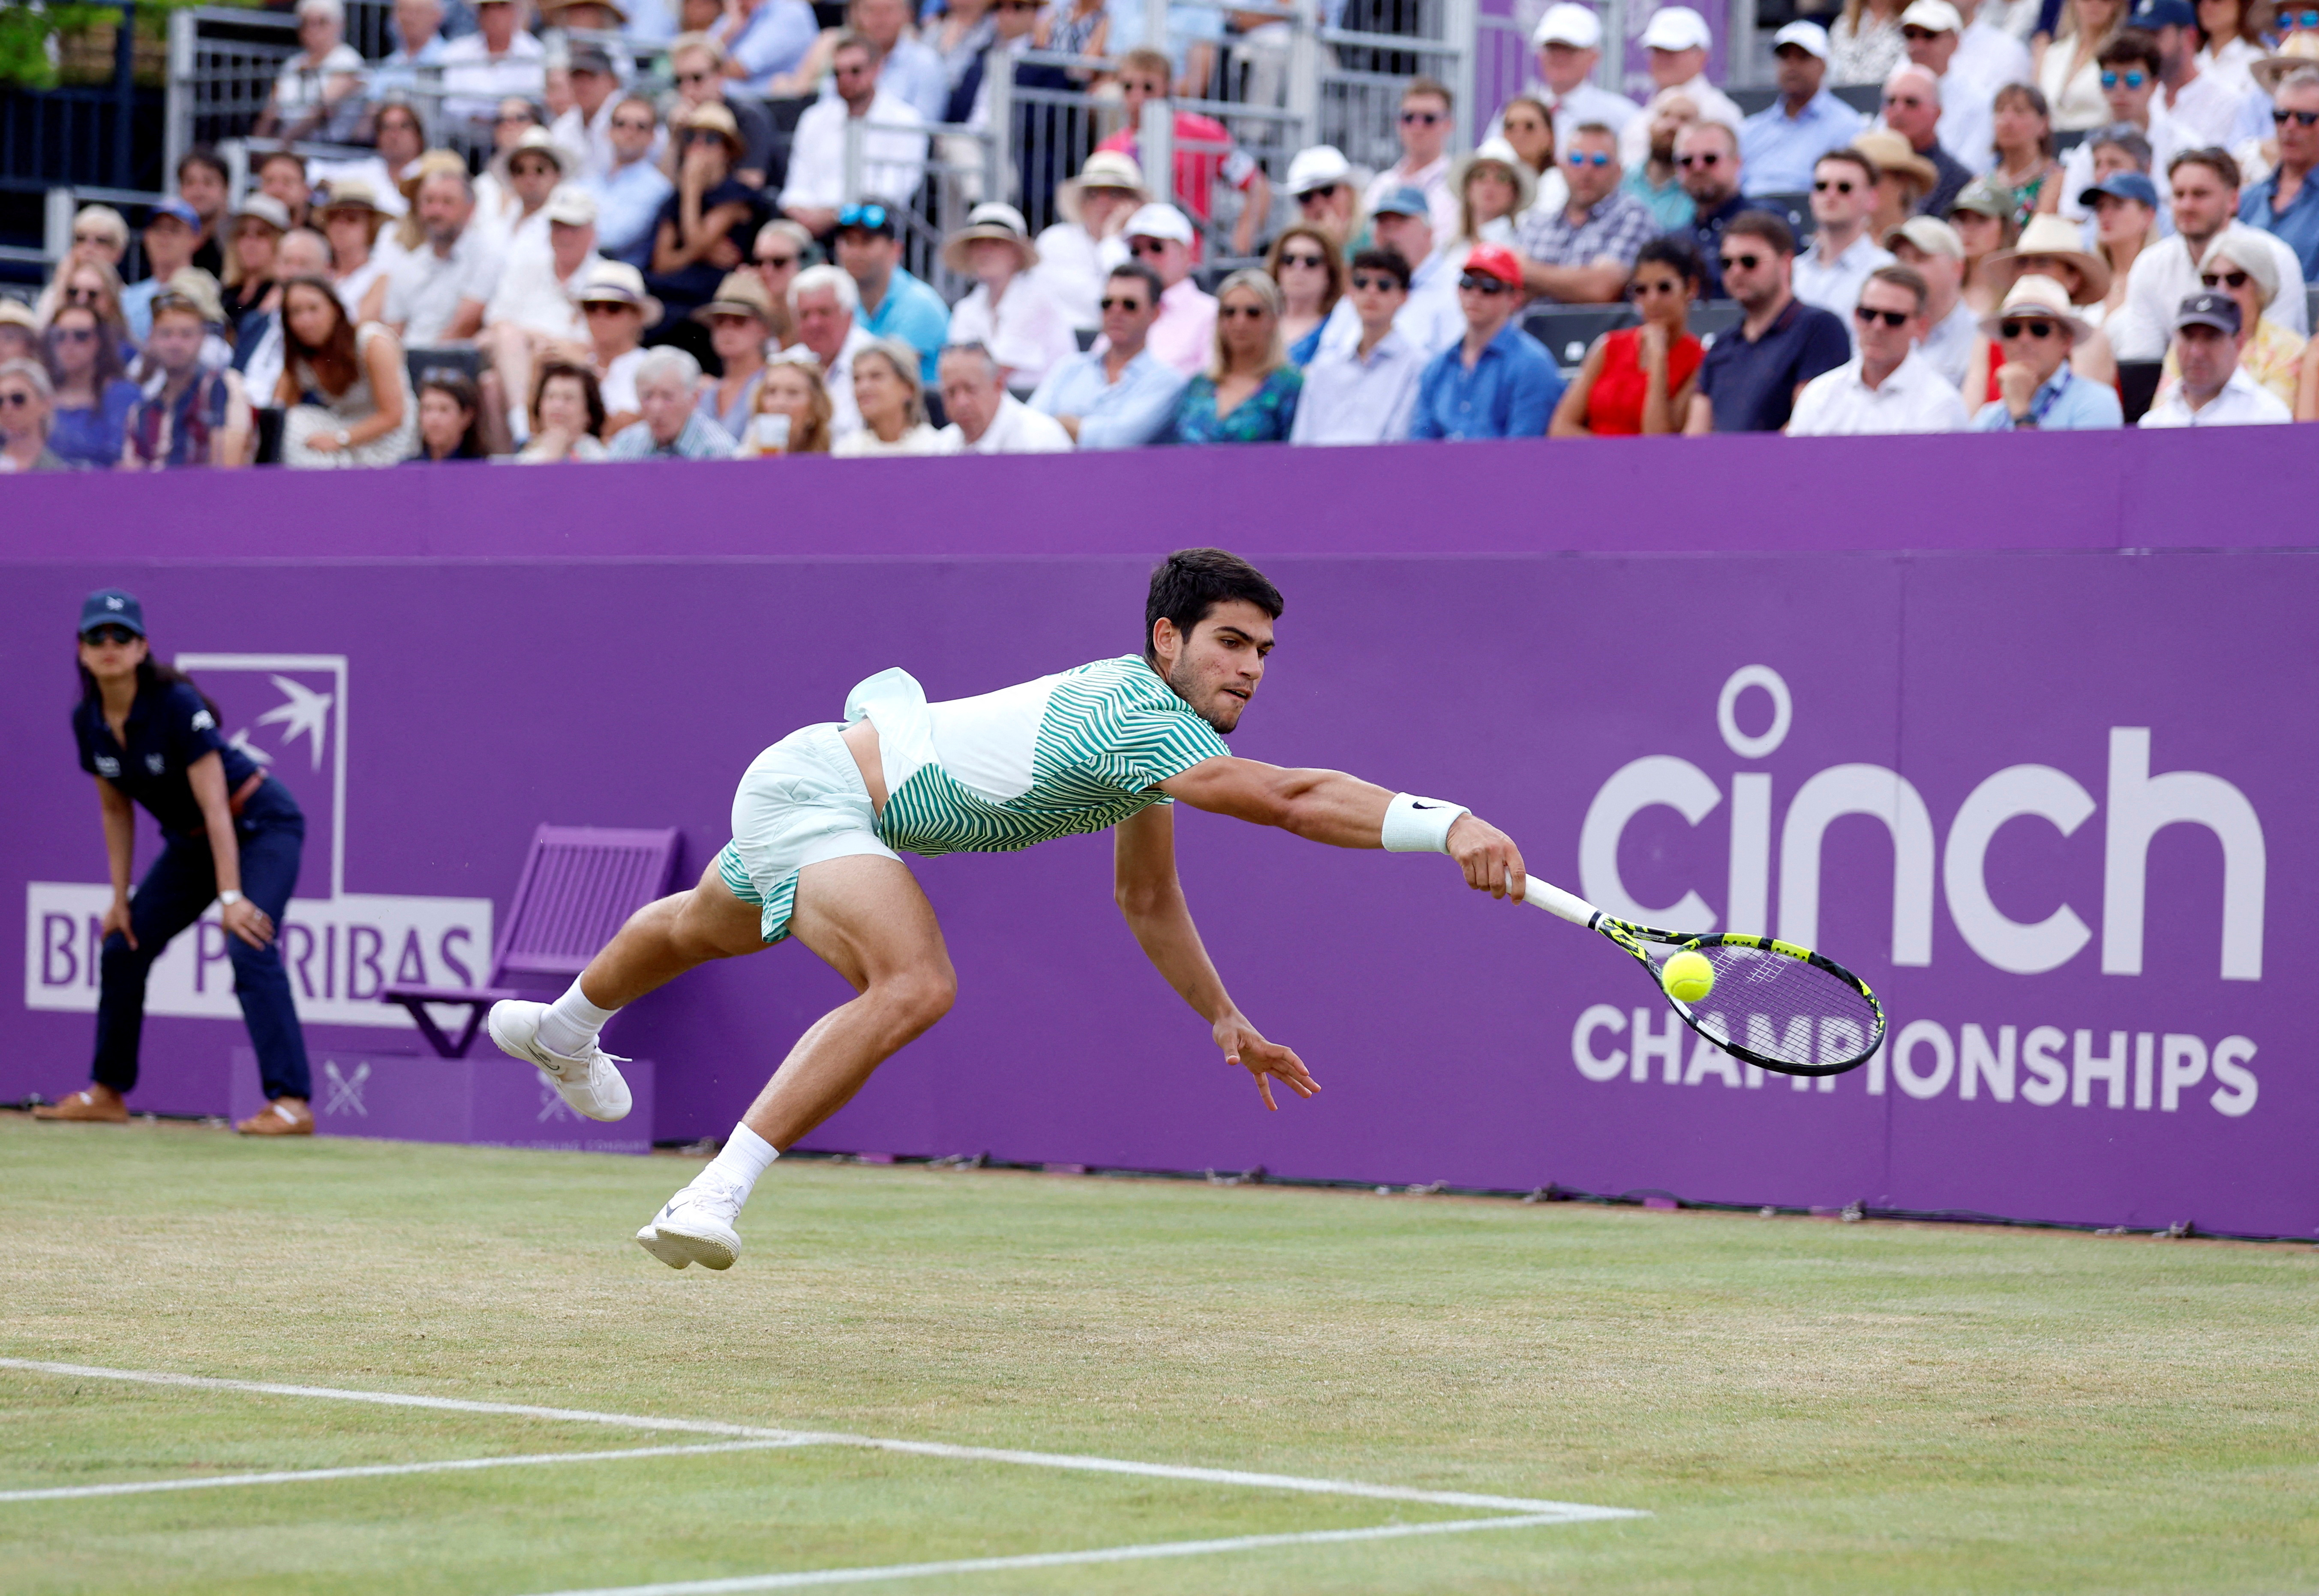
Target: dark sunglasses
x: 17, y: 399
x: 1709, y: 159
x: 1918, y: 35
x: 1116, y: 304
x: 2030, y: 329
x: 1475, y: 283
x: 1425, y: 119
x: 118, y: 637
x: 630, y: 125
x: 2302, y: 119
x: 1367, y: 282
x: 777, y: 262
x: 83, y: 296
x: 1313, y: 196
x: 1237, y: 312
x: 607, y: 307
x: 869, y: 216
x: 1740, y: 262
x: 73, y: 335
x: 692, y: 77
x: 1647, y: 290
x: 2223, y: 279
x: 1578, y: 158
x: 1892, y: 318
x: 91, y: 238
x: 1822, y: 184
x: 1309, y: 262
x: 1139, y: 248
x: 512, y: 116
x: 1020, y: 4
x: 2132, y: 80
x: 702, y: 136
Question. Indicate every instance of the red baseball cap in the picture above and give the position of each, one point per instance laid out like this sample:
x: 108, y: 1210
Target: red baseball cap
x: 1496, y: 260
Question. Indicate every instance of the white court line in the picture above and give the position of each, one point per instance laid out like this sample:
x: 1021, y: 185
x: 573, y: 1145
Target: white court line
x: 1559, y: 1511
x: 375, y: 1470
x: 1166, y: 1548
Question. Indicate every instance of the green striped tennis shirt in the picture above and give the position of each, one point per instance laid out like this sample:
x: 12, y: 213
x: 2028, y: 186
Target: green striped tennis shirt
x: 1073, y: 752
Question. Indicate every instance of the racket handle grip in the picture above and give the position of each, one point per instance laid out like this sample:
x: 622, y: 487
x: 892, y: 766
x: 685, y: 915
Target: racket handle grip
x: 1555, y: 901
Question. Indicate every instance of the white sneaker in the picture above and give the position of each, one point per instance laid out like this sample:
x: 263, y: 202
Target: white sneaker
x: 591, y: 1083
x: 695, y: 1227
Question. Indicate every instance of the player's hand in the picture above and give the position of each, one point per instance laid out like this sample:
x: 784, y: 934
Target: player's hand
x: 247, y: 921
x: 1492, y: 862
x: 116, y: 918
x: 1245, y: 1049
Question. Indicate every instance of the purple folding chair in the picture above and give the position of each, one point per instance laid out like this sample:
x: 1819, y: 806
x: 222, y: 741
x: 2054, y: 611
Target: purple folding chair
x: 578, y: 885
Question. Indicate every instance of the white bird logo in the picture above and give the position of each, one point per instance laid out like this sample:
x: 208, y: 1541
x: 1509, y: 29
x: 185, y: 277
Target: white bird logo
x: 303, y: 714
x: 240, y: 740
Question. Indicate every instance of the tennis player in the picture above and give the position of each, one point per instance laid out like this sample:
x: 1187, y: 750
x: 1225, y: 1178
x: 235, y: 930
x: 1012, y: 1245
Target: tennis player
x: 819, y: 816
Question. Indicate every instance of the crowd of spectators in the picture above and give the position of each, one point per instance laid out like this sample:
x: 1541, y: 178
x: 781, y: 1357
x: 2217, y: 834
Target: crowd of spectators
x: 630, y: 266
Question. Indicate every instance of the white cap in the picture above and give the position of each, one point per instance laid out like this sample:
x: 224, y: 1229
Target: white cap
x: 1159, y: 221
x: 331, y: 9
x: 571, y: 205
x: 1677, y: 27
x: 1809, y: 37
x: 1933, y: 16
x: 1322, y: 167
x: 1576, y: 26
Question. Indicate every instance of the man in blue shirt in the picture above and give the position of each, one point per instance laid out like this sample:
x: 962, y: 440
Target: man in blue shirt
x: 1750, y: 378
x: 2287, y: 203
x: 894, y: 304
x: 630, y: 193
x: 1498, y: 382
x: 1119, y: 396
x: 2034, y: 334
x: 773, y: 38
x: 1782, y: 142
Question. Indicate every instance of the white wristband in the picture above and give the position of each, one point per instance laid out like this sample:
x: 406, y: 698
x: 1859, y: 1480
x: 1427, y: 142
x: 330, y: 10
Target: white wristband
x: 1414, y: 825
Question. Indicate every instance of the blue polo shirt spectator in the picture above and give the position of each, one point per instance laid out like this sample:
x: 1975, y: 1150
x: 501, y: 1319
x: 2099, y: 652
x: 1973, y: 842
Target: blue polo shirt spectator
x: 1779, y: 144
x: 1123, y: 415
x: 1510, y: 388
x: 895, y: 304
x: 2298, y: 224
x: 1750, y: 384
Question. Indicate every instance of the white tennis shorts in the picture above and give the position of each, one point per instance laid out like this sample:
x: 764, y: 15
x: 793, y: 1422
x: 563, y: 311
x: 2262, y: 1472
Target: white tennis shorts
x: 800, y: 801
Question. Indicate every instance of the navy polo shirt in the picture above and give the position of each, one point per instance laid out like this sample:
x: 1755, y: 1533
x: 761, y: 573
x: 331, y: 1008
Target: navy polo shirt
x: 1752, y: 386
x: 168, y: 729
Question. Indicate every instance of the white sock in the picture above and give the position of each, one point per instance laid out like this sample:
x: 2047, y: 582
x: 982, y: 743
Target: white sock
x: 747, y: 1155
x: 570, y: 1023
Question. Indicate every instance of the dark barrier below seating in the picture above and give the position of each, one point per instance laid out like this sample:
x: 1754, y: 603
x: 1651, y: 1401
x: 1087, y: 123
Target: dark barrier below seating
x: 2036, y: 779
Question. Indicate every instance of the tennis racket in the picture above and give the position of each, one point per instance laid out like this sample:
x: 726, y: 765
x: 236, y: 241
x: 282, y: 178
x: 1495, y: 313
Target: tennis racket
x: 1773, y: 1004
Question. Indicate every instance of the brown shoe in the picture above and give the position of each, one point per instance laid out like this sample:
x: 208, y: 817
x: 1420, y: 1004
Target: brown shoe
x: 284, y: 1116
x: 99, y: 1105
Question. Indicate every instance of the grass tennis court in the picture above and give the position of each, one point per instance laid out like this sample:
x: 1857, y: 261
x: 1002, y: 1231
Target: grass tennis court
x: 1798, y: 1405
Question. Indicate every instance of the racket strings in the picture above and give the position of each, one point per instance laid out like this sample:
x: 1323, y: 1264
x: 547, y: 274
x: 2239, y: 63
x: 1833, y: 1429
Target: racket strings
x: 1783, y: 1008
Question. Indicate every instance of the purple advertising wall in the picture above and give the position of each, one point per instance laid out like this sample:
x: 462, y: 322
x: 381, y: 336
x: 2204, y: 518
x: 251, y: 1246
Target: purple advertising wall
x: 2019, y: 728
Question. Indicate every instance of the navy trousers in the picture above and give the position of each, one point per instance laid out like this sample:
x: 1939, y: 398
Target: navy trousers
x: 270, y: 831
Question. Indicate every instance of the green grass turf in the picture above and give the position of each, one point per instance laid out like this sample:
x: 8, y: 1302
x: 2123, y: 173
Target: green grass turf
x: 1802, y: 1405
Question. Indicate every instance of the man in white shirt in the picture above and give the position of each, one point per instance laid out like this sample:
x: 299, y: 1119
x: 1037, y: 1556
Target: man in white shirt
x: 535, y: 316
x: 1363, y: 392
x: 822, y: 303
x: 1843, y: 199
x: 984, y: 418
x: 2214, y: 390
x: 893, y: 156
x: 2206, y: 104
x: 2129, y: 79
x: 1931, y: 248
x: 2204, y: 184
x: 1887, y: 387
x: 585, y: 128
x: 1675, y: 43
x: 1184, y: 338
x: 1568, y: 40
x: 1987, y: 55
x: 1078, y: 253
x: 1423, y: 125
x: 499, y: 58
x: 1932, y: 30
x: 1011, y: 311
x: 437, y: 294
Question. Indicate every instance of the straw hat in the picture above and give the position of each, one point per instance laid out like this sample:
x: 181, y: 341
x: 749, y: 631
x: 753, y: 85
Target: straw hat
x: 742, y: 293
x: 348, y: 194
x: 538, y: 140
x: 1893, y: 153
x: 1498, y: 153
x: 197, y: 288
x: 2296, y: 51
x: 2048, y: 237
x: 1001, y: 223
x: 268, y: 209
x: 616, y: 281
x: 1106, y: 168
x: 2034, y: 297
x: 712, y: 118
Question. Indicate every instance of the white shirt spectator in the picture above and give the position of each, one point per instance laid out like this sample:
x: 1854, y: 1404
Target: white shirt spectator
x: 424, y: 290
x: 1430, y: 317
x: 1834, y: 286
x: 589, y: 137
x: 1076, y: 264
x: 354, y: 284
x: 1714, y: 105
x: 1016, y: 429
x: 1432, y: 180
x: 1968, y: 124
x: 1589, y: 101
x: 845, y: 415
x: 618, y: 385
x: 2164, y: 275
x: 298, y: 92
x: 1948, y: 346
x: 1915, y: 398
x: 534, y: 298
x: 1185, y: 334
x: 1028, y: 333
x: 1988, y: 58
x: 474, y: 81
x: 368, y: 170
x: 922, y: 439
x: 2242, y: 403
x: 892, y: 160
x: 1351, y: 400
x: 2208, y: 108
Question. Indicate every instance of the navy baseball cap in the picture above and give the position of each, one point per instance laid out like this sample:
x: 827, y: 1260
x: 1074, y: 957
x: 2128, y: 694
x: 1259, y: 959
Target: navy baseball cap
x: 2154, y: 15
x: 2209, y: 309
x: 2122, y: 185
x: 110, y: 607
x: 1408, y: 199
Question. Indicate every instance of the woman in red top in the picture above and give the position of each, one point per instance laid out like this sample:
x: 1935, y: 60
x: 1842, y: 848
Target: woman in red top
x: 1639, y: 379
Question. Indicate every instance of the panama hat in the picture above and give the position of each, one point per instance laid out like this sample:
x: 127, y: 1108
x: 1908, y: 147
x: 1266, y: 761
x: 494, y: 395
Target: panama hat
x: 2298, y: 52
x: 1498, y: 152
x: 1106, y: 168
x: 2048, y: 237
x: 741, y: 294
x: 616, y: 281
x: 1000, y: 224
x: 1893, y: 153
x: 2034, y: 297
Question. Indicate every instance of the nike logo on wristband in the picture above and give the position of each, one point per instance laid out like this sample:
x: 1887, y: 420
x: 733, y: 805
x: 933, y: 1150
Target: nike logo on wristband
x: 1417, y: 805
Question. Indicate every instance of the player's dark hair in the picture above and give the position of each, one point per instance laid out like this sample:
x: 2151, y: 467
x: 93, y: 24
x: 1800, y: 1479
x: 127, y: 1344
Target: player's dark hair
x: 1191, y: 581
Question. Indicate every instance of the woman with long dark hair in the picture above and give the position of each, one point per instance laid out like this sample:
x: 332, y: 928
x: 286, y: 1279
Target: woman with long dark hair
x: 230, y: 835
x: 345, y: 390
x: 449, y: 420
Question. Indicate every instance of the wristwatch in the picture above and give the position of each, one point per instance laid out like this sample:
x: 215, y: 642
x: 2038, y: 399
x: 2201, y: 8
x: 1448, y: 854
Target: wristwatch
x: 228, y: 899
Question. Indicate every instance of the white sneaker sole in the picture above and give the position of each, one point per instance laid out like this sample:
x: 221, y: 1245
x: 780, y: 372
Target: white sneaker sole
x: 715, y: 1249
x: 514, y: 1026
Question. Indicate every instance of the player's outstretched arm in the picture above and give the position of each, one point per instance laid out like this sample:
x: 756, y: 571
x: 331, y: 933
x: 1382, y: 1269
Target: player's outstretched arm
x: 1151, y: 898
x: 1347, y: 812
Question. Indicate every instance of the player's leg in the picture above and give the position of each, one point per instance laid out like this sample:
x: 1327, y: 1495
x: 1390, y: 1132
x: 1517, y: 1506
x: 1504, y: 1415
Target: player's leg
x: 865, y: 916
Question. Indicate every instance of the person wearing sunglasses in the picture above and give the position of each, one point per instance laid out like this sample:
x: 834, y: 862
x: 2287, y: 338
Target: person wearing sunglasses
x: 230, y: 835
x: 1307, y: 263
x: 1248, y: 392
x: 1364, y: 389
x: 1497, y: 381
x: 1423, y: 126
x: 631, y: 189
x: 2034, y: 332
x: 1912, y: 109
x: 99, y: 238
x: 1675, y: 44
x: 1707, y: 154
x: 27, y: 407
x: 191, y: 413
x: 1931, y: 248
x: 2215, y: 389
x: 1206, y: 153
x: 1639, y: 380
x: 1578, y: 253
x: 2286, y: 203
x: 893, y: 155
x: 1117, y: 395
x: 1843, y: 252
x: 2209, y: 107
x: 1781, y: 142
x: 1751, y: 375
x: 1161, y: 237
x: 1888, y: 387
x: 2239, y: 264
x: 702, y: 71
x: 94, y: 396
x: 708, y: 226
x: 483, y: 68
x: 2202, y: 185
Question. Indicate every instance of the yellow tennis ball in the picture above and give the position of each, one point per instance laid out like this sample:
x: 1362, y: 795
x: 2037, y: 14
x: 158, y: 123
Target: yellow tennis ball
x: 1688, y: 977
